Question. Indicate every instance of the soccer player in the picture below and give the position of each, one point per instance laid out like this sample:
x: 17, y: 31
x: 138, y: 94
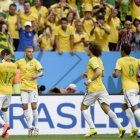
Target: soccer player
x: 29, y: 67
x: 96, y: 90
x: 128, y: 66
x: 7, y: 73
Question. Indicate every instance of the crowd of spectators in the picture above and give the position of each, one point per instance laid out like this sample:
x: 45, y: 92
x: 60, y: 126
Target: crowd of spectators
x: 69, y: 25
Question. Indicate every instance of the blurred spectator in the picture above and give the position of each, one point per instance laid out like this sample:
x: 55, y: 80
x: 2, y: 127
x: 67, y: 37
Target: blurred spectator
x: 135, y: 9
x: 72, y: 17
x: 4, y: 5
x: 136, y: 39
x: 46, y: 40
x: 71, y: 89
x: 85, y: 4
x: 64, y: 37
x: 125, y: 35
x: 5, y: 40
x: 88, y: 21
x: 27, y: 15
x: 26, y: 36
x: 114, y: 23
x: 62, y: 8
x: 12, y: 25
x: 102, y: 9
x: 136, y: 22
x: 41, y: 12
x: 19, y: 5
x: 80, y: 38
x: 51, y: 20
x: 101, y: 33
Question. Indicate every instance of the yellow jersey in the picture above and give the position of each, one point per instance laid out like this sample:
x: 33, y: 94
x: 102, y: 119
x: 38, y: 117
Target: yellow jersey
x: 58, y: 10
x: 128, y: 67
x: 53, y: 26
x: 12, y: 21
x: 28, y: 69
x: 87, y: 1
x: 101, y: 37
x: 7, y: 72
x: 43, y: 12
x: 32, y: 18
x: 46, y: 43
x: 114, y: 24
x: 97, y: 84
x: 135, y: 10
x: 77, y: 37
x: 64, y: 38
x: 88, y: 26
x: 72, y: 3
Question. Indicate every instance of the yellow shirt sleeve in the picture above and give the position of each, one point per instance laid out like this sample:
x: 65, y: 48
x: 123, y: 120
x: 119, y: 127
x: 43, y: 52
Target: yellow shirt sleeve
x: 17, y: 64
x: 38, y: 66
x: 118, y: 65
x: 102, y: 66
x: 94, y: 65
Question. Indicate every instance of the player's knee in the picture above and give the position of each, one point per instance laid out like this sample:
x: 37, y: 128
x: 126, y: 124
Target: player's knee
x: 25, y: 106
x: 34, y: 106
x: 4, y: 109
x: 135, y: 107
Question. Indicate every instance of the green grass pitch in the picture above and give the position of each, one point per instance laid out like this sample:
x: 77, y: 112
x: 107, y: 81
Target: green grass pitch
x: 73, y: 137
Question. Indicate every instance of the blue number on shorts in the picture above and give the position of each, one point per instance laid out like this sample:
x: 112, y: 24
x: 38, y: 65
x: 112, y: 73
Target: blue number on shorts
x: 35, y: 95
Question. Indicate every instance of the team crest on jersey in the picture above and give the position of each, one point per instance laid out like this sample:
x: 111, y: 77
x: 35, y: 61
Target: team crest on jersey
x: 39, y: 65
x: 31, y: 64
x: 68, y: 33
x: 95, y: 64
x: 32, y: 18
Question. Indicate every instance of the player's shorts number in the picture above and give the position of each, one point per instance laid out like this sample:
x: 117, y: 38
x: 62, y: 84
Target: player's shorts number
x: 131, y: 70
x: 9, y: 76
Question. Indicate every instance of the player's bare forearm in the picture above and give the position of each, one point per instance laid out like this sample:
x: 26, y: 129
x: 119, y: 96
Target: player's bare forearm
x: 34, y: 77
x: 115, y: 74
x: 96, y: 75
x: 40, y: 74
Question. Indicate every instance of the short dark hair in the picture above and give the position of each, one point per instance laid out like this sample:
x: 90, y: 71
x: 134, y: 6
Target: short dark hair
x: 101, y: 17
x: 28, y: 47
x: 95, y: 48
x: 64, y: 19
x: 26, y: 2
x: 5, y: 52
x: 13, y: 4
x: 126, y: 48
x: 77, y: 21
